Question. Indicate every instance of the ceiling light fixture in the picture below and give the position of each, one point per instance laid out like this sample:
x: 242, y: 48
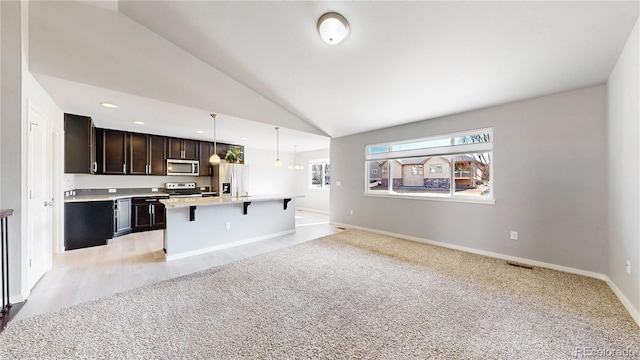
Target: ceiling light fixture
x: 199, y: 132
x: 294, y: 164
x: 214, y: 159
x: 138, y: 122
x: 109, y: 105
x: 333, y: 28
x: 277, y: 162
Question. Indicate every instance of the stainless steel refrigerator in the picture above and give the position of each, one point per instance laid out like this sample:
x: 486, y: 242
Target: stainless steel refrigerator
x: 230, y: 179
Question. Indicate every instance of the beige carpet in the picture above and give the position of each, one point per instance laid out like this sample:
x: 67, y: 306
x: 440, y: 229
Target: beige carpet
x: 351, y: 295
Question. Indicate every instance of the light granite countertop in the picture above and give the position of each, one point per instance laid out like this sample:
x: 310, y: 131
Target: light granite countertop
x: 224, y: 200
x: 111, y: 197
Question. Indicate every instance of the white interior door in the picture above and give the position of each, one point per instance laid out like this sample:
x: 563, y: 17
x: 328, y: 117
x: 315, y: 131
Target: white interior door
x: 39, y: 202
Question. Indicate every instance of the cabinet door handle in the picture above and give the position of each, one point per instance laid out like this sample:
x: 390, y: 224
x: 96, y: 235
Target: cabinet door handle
x: 95, y: 167
x: 124, y: 168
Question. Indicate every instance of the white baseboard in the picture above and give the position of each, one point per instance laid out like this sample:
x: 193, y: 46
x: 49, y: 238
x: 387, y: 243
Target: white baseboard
x: 15, y: 299
x: 635, y: 314
x: 226, y: 246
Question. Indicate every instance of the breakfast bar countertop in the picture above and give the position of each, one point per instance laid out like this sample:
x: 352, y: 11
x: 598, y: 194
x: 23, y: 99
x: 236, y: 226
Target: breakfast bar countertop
x: 222, y: 200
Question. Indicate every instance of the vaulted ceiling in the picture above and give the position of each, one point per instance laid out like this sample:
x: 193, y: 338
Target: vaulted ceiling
x: 262, y: 64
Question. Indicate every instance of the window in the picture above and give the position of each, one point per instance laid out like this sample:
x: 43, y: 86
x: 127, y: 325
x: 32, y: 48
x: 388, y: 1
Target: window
x: 320, y: 174
x: 459, y: 167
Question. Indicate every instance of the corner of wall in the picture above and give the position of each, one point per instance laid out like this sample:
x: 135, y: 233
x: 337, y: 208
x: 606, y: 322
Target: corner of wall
x: 623, y: 112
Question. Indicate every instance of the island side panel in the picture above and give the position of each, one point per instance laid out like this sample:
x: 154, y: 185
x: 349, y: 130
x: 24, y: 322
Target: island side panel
x: 208, y: 232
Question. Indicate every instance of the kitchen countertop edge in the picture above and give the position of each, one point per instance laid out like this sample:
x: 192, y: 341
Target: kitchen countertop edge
x: 213, y: 201
x: 111, y: 197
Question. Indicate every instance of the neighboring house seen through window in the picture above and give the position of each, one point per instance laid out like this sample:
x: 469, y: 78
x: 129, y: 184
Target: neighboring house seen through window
x: 459, y: 167
x: 320, y: 174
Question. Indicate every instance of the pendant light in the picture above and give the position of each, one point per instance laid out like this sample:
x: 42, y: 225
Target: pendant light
x: 277, y: 162
x: 214, y: 159
x: 294, y: 164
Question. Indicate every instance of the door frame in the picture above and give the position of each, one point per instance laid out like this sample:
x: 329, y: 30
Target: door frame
x: 32, y: 108
x: 57, y: 175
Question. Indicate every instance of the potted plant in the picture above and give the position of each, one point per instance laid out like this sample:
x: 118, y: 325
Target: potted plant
x: 234, y: 155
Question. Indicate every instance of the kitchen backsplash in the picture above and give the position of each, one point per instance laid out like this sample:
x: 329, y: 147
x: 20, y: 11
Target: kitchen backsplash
x: 121, y: 191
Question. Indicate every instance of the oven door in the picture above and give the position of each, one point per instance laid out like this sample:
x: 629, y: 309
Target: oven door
x: 183, y: 167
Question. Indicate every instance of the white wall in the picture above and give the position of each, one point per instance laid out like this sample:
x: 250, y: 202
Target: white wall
x: 1, y: 97
x: 127, y: 181
x: 13, y: 179
x: 549, y: 185
x: 19, y: 89
x: 264, y: 177
x: 314, y: 198
x: 624, y: 171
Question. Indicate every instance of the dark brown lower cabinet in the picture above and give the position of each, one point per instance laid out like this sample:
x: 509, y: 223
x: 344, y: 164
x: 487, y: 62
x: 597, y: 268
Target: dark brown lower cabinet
x: 148, y: 214
x: 87, y: 223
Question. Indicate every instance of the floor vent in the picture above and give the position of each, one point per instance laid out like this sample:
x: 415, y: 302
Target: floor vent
x: 524, y: 266
x: 341, y: 228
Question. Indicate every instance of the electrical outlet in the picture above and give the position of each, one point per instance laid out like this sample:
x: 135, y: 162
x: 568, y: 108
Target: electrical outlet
x: 66, y: 193
x: 227, y: 225
x: 350, y: 212
x: 154, y: 189
x: 514, y: 235
x: 112, y: 190
x: 628, y: 266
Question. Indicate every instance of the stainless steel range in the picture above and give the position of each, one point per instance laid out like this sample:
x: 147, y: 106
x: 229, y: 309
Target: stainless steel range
x: 186, y: 189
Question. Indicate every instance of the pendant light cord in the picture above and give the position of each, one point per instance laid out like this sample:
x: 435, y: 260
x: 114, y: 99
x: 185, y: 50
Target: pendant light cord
x: 215, y: 144
x: 277, y: 143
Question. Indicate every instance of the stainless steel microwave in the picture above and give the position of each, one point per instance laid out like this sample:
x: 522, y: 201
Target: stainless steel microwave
x: 183, y: 167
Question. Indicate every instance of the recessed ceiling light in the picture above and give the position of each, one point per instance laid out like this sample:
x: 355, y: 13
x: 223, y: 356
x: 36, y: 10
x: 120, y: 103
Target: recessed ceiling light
x: 199, y: 132
x: 244, y: 138
x: 138, y: 122
x: 109, y: 105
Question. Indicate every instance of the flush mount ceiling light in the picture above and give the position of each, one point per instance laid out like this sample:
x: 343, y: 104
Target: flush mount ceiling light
x: 214, y: 159
x: 199, y: 132
x: 277, y: 162
x: 138, y: 122
x: 109, y: 105
x: 333, y: 28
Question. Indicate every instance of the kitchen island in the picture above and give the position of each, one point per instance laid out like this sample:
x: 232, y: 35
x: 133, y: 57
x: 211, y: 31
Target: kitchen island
x: 203, y: 224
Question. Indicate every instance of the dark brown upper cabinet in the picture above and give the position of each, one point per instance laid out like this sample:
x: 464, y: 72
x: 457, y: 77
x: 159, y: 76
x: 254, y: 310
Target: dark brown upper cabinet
x: 157, y: 155
x: 111, y: 148
x: 182, y: 149
x: 147, y: 154
x: 79, y: 145
x: 206, y: 150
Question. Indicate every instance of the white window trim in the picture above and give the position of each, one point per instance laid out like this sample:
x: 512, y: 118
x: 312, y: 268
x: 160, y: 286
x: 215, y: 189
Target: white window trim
x: 310, y: 173
x: 451, y: 150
